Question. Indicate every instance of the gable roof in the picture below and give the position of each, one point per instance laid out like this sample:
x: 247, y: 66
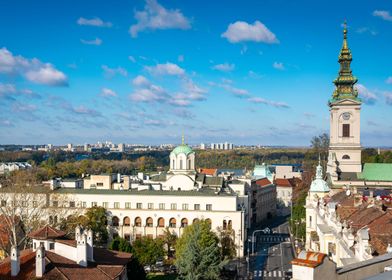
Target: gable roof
x: 263, y: 182
x: 283, y: 183
x: 46, y: 232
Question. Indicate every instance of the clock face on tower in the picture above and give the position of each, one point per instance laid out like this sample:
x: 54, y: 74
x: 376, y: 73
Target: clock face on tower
x: 346, y: 116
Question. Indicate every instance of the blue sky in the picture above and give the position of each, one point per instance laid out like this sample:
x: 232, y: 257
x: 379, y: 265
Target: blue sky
x: 249, y: 72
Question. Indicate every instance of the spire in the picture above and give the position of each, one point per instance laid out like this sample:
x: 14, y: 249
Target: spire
x: 319, y: 170
x: 345, y: 81
x: 182, y: 140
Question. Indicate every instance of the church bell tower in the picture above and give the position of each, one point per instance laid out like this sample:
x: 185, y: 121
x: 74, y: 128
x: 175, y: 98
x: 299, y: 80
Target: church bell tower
x: 345, y: 111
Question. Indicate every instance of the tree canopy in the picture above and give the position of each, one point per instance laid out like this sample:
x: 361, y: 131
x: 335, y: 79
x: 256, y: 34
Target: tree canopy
x: 198, y: 255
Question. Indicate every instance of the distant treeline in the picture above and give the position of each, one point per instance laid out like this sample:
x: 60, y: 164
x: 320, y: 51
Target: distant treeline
x: 65, y: 164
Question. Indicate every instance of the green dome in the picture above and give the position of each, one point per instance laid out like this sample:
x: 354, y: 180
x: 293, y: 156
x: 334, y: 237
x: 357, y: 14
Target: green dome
x: 183, y: 149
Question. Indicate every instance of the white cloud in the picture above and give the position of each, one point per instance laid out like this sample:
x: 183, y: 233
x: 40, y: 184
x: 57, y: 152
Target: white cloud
x: 94, y: 22
x: 82, y: 110
x: 388, y: 97
x: 180, y: 58
x: 7, y: 123
x: 166, y: 69
x: 32, y: 69
x: 140, y: 81
x: 241, y: 31
x: 224, y: 67
x: 363, y: 30
x: 155, y: 16
x: 366, y: 95
x: 193, y: 91
x: 7, y: 89
x: 107, y: 92
x: 151, y: 94
x: 389, y: 80
x: 278, y: 65
x: 385, y: 15
x: 236, y: 91
x: 260, y: 100
x: 96, y: 42
x: 111, y: 72
x: 131, y: 58
x: 46, y: 75
x: 254, y: 75
x: 20, y: 107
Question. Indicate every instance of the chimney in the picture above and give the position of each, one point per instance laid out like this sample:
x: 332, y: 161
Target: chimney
x: 15, y: 262
x: 118, y: 178
x: 78, y: 232
x: 90, y: 245
x: 81, y: 250
x: 40, y: 261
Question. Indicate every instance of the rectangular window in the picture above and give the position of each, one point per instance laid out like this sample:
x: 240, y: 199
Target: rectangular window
x: 150, y: 206
x: 93, y: 204
x: 209, y: 207
x: 3, y: 203
x: 185, y: 206
x: 138, y: 206
x: 116, y: 205
x: 346, y: 130
x: 84, y: 204
x: 105, y: 205
x: 127, y: 205
x: 99, y: 184
x: 35, y: 204
x: 196, y: 207
x: 51, y: 246
x: 24, y: 203
x: 55, y: 203
x: 173, y: 206
x: 162, y: 206
x: 72, y: 204
x: 310, y: 221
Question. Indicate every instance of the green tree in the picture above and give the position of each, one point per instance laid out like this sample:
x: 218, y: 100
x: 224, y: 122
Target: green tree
x: 120, y: 244
x: 198, y: 255
x: 226, y: 243
x: 169, y: 239
x: 147, y: 250
x: 97, y: 221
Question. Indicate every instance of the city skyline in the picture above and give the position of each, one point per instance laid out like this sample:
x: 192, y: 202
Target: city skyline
x: 81, y: 74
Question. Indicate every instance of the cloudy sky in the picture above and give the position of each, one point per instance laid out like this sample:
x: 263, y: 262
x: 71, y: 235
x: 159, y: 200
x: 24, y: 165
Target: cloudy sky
x: 249, y: 72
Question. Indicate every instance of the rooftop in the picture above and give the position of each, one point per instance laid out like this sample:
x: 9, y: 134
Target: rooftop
x: 46, y: 232
x: 309, y: 259
x: 376, y: 172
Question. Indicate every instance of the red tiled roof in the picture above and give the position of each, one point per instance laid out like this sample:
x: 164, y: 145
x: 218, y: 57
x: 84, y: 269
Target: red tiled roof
x: 263, y: 182
x: 364, y: 217
x: 208, y: 171
x: 283, y: 183
x: 108, y: 265
x: 309, y: 259
x: 46, y: 232
x: 69, y: 242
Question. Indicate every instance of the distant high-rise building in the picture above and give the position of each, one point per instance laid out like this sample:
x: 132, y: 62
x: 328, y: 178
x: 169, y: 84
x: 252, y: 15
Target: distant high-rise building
x: 202, y: 146
x: 50, y: 147
x: 86, y: 147
x: 121, y: 147
x: 69, y: 147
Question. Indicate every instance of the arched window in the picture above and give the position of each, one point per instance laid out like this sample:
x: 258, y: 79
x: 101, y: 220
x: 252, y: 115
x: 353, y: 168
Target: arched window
x: 224, y: 224
x: 126, y: 221
x: 161, y: 222
x: 174, y: 166
x: 184, y: 222
x: 189, y: 164
x: 180, y: 164
x: 230, y: 225
x: 196, y: 220
x: 115, y: 221
x: 50, y: 220
x: 138, y: 222
x: 346, y: 157
x: 172, y: 223
x: 149, y: 222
